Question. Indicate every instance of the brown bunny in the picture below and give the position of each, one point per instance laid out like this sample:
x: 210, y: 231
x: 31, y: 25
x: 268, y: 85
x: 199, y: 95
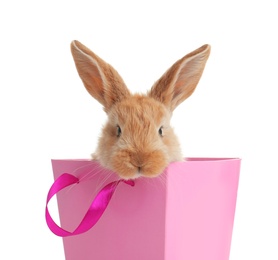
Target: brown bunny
x: 137, y: 139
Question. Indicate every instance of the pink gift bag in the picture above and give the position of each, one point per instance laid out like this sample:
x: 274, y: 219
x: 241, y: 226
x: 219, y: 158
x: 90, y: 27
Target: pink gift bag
x: 185, y: 213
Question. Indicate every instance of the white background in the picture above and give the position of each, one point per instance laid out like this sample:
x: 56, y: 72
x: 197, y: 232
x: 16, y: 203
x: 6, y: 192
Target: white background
x: 47, y: 113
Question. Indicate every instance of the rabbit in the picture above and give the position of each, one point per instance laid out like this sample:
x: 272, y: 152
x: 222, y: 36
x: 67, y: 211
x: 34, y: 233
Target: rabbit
x: 137, y: 139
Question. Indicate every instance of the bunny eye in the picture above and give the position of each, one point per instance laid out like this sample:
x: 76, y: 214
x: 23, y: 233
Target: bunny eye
x: 160, y: 131
x: 119, y: 131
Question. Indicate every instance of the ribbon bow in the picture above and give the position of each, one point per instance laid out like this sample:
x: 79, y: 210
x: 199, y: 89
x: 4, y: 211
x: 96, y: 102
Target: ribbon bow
x: 95, y: 211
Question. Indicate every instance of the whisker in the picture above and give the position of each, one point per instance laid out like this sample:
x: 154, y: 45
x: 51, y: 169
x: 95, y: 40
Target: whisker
x: 83, y: 166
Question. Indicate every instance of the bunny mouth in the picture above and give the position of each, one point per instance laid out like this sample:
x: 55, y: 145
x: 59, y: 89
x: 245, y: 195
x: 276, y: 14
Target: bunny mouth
x: 136, y: 175
x: 131, y: 171
x: 132, y: 165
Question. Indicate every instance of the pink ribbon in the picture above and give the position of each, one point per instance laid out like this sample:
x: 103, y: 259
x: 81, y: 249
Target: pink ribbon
x: 95, y: 210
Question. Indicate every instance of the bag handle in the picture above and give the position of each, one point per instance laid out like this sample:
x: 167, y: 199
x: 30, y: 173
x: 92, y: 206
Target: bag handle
x: 95, y: 211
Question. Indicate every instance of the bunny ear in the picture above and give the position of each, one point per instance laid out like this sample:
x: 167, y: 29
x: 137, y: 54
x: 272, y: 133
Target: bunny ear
x: 179, y: 82
x: 101, y: 80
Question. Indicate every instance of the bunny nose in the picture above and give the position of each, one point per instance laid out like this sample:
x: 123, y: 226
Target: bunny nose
x: 137, y: 161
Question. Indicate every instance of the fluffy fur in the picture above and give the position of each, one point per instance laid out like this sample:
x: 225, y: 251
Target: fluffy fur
x: 137, y: 139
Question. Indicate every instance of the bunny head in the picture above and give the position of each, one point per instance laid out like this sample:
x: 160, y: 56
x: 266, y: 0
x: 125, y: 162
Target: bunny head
x: 137, y: 139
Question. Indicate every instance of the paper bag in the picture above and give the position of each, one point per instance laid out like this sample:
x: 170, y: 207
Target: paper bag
x: 185, y: 213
